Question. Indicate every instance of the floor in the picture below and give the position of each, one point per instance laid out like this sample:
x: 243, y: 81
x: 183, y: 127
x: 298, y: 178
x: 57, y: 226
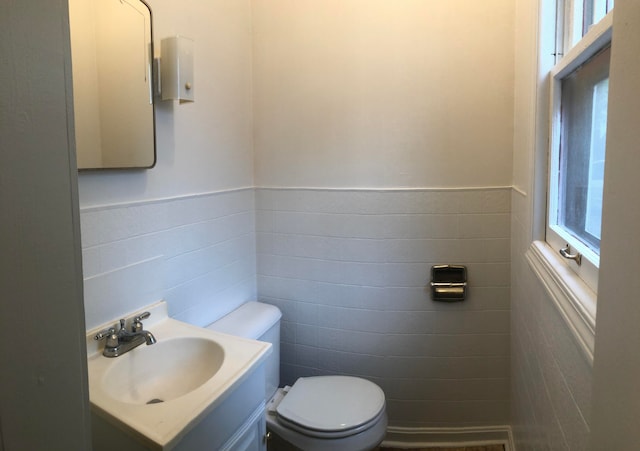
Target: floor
x: 438, y: 448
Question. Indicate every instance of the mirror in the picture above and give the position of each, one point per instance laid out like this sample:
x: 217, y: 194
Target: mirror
x: 112, y: 59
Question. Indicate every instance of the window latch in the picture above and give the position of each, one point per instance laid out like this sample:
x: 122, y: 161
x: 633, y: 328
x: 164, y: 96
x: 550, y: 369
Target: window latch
x: 577, y: 257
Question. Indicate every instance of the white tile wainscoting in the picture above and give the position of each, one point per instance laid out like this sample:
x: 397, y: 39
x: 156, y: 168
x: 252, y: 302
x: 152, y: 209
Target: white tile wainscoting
x: 551, y: 376
x: 196, y: 252
x: 350, y: 270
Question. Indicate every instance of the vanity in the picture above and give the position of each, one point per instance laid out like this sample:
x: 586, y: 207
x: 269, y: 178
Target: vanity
x: 192, y: 389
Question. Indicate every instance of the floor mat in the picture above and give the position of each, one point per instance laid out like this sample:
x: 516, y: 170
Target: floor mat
x: 449, y: 448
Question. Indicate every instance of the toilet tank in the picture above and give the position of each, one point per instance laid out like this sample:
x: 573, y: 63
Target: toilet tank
x: 257, y: 321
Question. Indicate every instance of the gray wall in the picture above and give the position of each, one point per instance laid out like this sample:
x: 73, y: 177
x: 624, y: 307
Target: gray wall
x: 43, y: 382
x: 616, y: 406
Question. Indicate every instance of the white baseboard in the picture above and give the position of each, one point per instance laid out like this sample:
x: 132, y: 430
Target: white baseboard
x: 399, y: 437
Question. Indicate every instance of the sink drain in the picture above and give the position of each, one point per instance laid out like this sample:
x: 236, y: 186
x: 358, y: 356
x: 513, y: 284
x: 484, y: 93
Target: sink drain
x: 155, y: 401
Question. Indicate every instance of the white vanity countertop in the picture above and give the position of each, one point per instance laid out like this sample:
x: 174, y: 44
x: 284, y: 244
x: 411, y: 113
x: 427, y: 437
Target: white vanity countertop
x: 162, y: 425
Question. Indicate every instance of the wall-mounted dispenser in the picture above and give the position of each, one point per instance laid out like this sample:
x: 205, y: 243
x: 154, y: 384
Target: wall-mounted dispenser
x: 176, y: 69
x: 448, y: 283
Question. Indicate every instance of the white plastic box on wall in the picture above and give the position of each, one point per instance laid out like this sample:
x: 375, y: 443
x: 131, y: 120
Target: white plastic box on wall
x: 176, y: 69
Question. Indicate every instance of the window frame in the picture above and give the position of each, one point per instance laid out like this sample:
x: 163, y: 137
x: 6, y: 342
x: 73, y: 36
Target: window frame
x: 594, y: 41
x: 575, y: 19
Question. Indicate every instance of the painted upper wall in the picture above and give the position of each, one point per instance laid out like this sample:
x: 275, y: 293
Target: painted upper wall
x: 207, y: 145
x: 347, y: 93
x: 360, y: 93
x: 525, y: 81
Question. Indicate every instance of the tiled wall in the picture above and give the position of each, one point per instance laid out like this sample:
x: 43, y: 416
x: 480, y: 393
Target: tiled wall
x: 550, y: 377
x: 195, y: 252
x: 349, y: 269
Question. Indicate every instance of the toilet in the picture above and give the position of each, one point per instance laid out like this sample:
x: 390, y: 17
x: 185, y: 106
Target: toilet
x: 318, y: 413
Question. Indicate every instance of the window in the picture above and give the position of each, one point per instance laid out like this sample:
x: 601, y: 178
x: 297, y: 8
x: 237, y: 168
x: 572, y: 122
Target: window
x: 582, y: 150
x: 580, y: 87
x: 575, y: 37
x: 576, y: 17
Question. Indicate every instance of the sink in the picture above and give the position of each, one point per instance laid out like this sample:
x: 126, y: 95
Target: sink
x: 161, y: 394
x: 164, y: 371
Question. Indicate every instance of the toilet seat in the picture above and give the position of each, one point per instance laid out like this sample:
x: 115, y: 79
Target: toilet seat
x: 331, y: 406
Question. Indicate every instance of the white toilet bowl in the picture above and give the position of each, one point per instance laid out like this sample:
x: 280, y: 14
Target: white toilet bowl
x: 320, y: 413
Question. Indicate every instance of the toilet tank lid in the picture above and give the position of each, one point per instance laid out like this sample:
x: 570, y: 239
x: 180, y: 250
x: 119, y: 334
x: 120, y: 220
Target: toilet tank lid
x: 250, y: 320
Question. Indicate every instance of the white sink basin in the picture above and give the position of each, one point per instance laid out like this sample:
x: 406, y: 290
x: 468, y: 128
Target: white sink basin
x: 158, y: 393
x: 163, y: 371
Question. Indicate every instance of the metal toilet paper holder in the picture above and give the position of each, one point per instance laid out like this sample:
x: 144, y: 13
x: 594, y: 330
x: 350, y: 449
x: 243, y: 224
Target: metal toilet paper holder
x: 448, y: 283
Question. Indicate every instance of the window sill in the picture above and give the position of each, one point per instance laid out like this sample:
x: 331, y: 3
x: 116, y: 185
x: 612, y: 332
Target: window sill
x: 575, y: 301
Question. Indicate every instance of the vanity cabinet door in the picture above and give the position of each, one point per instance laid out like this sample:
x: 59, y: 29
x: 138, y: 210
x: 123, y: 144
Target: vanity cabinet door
x: 251, y: 436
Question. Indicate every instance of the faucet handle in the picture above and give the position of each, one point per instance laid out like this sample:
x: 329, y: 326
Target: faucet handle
x: 141, y: 316
x: 104, y: 333
x: 136, y: 322
x: 110, y: 335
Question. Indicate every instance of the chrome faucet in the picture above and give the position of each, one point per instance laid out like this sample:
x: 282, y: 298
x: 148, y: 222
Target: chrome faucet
x: 123, y: 340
